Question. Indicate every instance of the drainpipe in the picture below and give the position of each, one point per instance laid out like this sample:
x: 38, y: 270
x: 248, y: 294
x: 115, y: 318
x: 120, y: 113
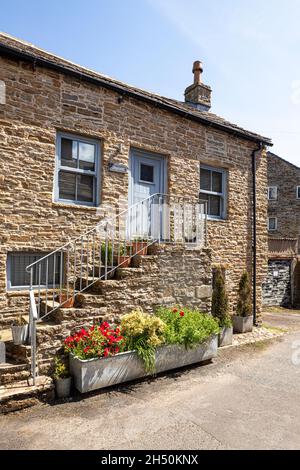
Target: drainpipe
x: 254, y: 233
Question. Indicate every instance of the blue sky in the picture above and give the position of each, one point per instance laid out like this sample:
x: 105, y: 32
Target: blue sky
x: 250, y: 50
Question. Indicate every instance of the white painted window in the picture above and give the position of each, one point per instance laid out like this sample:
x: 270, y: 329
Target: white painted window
x: 77, y: 175
x: 272, y: 193
x: 272, y: 224
x: 213, y: 190
x: 17, y: 276
x: 298, y: 192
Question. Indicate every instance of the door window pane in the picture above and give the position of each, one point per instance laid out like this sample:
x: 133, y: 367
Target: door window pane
x: 68, y: 153
x: 147, y: 173
x: 67, y: 185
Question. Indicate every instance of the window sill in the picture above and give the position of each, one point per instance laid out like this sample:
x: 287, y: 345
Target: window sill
x: 215, y: 219
x: 67, y: 205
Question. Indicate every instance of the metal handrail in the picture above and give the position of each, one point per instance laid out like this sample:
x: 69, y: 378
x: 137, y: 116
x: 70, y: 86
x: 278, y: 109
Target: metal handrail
x: 96, y: 254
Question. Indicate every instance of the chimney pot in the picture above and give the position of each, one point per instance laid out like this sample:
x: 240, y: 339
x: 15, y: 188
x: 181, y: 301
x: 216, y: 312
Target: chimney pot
x: 197, y: 71
x: 198, y: 95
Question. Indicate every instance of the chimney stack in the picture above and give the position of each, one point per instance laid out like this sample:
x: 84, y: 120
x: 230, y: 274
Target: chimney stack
x: 198, y: 95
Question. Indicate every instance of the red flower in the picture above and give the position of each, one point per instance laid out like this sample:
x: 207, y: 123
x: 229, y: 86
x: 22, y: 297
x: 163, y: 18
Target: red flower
x: 86, y: 349
x: 181, y: 314
x: 175, y: 310
x: 106, y: 352
x: 117, y: 350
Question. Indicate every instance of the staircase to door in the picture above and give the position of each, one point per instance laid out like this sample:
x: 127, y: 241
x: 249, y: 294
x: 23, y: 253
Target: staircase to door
x: 104, y: 254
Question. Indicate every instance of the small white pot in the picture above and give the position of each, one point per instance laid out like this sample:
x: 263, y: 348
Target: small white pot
x: 63, y: 387
x: 19, y: 334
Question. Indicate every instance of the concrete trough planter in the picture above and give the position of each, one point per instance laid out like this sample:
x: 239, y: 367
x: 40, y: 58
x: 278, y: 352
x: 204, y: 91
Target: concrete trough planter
x: 242, y: 324
x: 96, y: 373
x: 225, y: 336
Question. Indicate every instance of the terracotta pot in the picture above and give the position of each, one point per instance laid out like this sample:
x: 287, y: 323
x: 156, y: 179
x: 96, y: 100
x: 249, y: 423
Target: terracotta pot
x: 67, y: 302
x: 139, y: 248
x: 124, y: 261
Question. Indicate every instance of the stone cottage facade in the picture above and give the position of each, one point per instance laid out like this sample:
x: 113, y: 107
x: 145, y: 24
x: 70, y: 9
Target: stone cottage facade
x: 282, y: 285
x: 51, y: 108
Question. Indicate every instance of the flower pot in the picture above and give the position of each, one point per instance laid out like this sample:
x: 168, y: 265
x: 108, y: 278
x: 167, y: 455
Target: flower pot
x: 93, y: 374
x: 225, y: 336
x: 124, y: 261
x: 19, y: 334
x: 139, y: 248
x: 242, y: 324
x: 63, y: 387
x: 68, y: 302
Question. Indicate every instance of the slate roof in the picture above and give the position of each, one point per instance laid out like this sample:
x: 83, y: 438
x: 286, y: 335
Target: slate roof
x: 21, y: 50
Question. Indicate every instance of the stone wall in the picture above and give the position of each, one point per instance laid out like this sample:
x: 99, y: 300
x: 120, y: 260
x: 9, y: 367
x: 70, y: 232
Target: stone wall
x: 169, y: 276
x: 277, y: 286
x: 40, y: 102
x: 286, y: 208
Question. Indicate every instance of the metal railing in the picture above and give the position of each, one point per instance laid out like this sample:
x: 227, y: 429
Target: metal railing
x: 58, y: 277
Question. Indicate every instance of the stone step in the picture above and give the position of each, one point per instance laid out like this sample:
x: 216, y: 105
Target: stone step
x: 22, y: 394
x: 18, y: 353
x: 10, y: 373
x: 83, y: 314
x: 129, y: 273
x: 144, y: 261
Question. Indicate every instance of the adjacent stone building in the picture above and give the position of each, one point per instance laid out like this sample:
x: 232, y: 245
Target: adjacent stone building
x: 283, y: 282
x: 52, y: 109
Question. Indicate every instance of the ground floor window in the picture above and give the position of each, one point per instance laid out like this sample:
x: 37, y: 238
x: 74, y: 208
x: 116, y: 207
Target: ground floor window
x: 18, y: 278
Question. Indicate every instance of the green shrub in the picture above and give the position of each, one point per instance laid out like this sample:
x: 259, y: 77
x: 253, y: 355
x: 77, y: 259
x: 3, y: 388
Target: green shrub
x: 187, y: 327
x: 61, y: 370
x: 244, y: 304
x: 220, y: 306
x: 143, y: 332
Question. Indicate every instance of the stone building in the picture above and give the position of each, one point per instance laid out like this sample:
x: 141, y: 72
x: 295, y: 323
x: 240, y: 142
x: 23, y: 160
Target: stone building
x: 75, y: 144
x: 283, y: 283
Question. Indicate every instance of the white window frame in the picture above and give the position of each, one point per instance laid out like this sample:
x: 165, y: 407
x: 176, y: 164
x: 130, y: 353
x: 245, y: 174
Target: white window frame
x: 222, y: 195
x: 298, y: 193
x: 269, y: 192
x: 276, y: 224
x: 95, y: 174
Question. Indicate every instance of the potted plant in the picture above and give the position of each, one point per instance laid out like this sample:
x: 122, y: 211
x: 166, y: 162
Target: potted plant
x: 62, y: 378
x: 243, y: 319
x: 220, y: 310
x: 19, y: 329
x: 140, y: 245
x: 142, y: 345
x: 66, y: 298
x: 122, y: 257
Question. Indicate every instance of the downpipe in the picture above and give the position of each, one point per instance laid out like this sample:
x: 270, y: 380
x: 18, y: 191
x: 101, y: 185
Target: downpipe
x: 254, y: 234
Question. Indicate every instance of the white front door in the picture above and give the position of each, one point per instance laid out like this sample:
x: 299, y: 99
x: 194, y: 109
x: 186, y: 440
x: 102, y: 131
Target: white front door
x: 147, y: 177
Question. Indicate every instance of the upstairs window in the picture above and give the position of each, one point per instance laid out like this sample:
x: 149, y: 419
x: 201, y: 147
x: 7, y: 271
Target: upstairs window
x: 77, y: 179
x: 298, y: 192
x: 213, y: 190
x: 272, y: 224
x: 272, y: 193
